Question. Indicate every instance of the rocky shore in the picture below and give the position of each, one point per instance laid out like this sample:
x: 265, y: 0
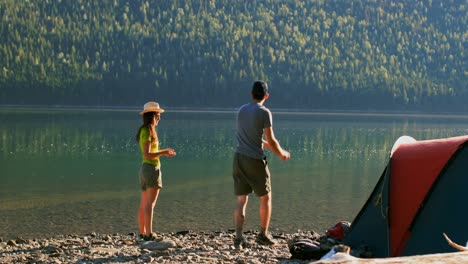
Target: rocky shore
x: 180, y: 247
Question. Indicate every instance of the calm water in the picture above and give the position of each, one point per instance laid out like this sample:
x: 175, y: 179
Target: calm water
x: 70, y: 171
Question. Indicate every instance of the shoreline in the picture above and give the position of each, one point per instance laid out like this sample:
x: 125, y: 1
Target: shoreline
x: 231, y: 110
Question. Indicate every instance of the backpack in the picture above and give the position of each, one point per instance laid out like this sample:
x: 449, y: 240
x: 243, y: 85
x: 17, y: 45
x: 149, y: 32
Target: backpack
x: 305, y: 249
x: 339, y: 231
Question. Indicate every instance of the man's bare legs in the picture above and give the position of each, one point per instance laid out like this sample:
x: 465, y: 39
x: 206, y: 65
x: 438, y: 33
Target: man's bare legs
x: 265, y: 213
x: 239, y: 214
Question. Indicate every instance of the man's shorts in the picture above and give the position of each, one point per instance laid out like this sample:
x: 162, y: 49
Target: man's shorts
x: 150, y: 176
x: 250, y: 175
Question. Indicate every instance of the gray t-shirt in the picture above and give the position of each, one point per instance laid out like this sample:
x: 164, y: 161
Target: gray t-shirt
x: 252, y: 118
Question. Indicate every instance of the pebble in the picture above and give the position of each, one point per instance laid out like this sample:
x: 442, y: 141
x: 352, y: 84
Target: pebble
x: 180, y: 247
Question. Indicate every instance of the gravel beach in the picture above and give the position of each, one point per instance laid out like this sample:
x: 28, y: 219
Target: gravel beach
x: 179, y: 247
x: 182, y: 247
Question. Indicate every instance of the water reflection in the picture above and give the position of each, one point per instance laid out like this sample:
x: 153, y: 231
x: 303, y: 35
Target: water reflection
x: 207, y: 134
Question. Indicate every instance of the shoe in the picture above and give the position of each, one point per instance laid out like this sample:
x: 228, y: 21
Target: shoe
x: 141, y: 238
x: 240, y: 243
x: 152, y: 237
x: 267, y: 240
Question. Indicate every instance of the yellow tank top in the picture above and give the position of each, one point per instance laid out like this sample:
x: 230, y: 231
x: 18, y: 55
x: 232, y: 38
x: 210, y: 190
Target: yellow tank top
x: 154, y: 146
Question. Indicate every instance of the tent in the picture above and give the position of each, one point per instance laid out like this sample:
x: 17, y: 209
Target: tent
x: 420, y: 195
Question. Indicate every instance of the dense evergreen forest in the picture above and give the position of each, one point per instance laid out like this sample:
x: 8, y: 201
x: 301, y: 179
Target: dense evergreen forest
x: 315, y: 54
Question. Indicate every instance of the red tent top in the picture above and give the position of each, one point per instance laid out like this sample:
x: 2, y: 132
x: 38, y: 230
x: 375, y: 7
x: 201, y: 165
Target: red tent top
x: 414, y: 168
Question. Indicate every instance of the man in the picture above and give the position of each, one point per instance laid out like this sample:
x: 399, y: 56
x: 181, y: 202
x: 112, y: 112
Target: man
x: 250, y: 169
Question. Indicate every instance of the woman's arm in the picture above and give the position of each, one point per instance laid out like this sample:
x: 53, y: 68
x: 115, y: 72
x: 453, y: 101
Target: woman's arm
x: 168, y: 152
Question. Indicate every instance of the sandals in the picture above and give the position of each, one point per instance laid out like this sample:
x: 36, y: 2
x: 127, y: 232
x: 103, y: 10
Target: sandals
x: 151, y: 237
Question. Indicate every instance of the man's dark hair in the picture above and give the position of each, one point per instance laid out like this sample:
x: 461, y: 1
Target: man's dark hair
x: 259, y: 90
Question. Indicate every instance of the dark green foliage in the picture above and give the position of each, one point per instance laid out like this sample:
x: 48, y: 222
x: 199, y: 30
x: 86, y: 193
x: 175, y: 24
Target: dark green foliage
x: 315, y: 54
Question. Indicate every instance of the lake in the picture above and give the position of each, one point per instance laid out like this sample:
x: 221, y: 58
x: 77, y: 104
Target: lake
x: 76, y: 171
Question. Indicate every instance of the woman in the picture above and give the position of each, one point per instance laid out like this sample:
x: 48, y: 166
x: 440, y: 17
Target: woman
x: 150, y: 173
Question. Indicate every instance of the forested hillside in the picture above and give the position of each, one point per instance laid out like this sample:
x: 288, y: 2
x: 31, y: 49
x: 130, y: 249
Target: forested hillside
x: 315, y: 54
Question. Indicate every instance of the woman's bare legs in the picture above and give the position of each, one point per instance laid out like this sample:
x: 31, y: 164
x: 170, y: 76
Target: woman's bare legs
x: 145, y: 212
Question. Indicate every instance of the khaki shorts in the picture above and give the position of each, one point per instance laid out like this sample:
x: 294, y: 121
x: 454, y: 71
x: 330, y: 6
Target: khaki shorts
x: 150, y: 176
x: 250, y: 175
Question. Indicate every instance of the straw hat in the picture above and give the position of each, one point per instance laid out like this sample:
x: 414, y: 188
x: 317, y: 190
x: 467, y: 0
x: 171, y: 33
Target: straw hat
x: 151, y: 107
